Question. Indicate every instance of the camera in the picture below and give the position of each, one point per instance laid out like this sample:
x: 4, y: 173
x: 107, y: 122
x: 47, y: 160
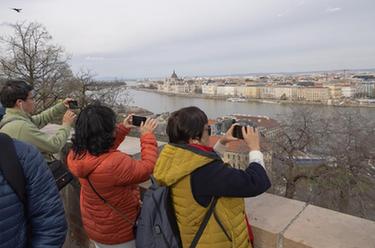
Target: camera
x: 137, y: 120
x: 220, y: 128
x: 73, y: 104
x: 237, y: 131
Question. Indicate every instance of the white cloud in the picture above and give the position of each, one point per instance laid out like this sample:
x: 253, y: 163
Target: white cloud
x: 143, y: 37
x: 332, y: 10
x: 94, y: 58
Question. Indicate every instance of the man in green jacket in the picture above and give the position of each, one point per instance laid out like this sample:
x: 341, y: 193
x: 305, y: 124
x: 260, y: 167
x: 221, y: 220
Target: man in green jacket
x: 17, y: 97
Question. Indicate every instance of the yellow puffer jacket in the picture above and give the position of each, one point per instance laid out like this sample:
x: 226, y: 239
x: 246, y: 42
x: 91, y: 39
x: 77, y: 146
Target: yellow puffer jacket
x: 173, y: 168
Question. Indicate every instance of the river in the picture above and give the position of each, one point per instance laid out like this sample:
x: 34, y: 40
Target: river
x: 159, y: 103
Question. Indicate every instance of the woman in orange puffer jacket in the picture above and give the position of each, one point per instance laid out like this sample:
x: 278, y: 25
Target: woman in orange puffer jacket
x: 113, y: 174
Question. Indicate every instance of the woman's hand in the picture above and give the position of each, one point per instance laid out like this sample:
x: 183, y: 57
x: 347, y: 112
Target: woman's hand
x: 251, y: 137
x: 228, y: 136
x: 127, y: 122
x: 148, y: 126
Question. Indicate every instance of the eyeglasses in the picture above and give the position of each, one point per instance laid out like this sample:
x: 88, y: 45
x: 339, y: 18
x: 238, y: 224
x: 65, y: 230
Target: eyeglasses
x: 208, y: 128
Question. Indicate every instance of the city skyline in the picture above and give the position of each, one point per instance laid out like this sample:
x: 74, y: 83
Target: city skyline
x: 147, y: 40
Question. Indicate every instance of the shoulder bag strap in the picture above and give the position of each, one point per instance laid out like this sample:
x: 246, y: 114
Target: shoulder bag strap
x: 123, y: 215
x: 204, y: 223
x: 11, y: 167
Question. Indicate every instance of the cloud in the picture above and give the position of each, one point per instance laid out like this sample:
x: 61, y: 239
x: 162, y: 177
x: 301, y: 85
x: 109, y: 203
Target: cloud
x: 332, y: 10
x: 94, y: 58
x: 149, y: 38
x: 282, y: 14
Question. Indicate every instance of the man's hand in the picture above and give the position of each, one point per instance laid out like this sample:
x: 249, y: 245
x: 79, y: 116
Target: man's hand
x: 66, y: 102
x: 69, y: 118
x: 228, y: 137
x: 148, y: 127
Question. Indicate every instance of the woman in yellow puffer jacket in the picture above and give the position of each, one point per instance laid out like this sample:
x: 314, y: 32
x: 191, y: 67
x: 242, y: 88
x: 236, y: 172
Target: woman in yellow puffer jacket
x: 196, y: 174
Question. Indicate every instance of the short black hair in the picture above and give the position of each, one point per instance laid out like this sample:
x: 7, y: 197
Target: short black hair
x: 94, y: 130
x: 186, y: 123
x: 14, y: 90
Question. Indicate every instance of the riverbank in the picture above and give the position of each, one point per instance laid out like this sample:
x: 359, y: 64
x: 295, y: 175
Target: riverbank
x: 271, y: 101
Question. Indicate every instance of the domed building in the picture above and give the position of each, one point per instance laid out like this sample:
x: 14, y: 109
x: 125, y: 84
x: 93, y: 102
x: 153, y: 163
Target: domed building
x: 172, y: 84
x: 174, y: 76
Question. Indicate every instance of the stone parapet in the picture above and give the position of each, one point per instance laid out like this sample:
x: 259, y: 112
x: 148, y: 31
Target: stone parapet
x: 283, y: 223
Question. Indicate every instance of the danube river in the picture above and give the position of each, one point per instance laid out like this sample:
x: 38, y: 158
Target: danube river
x: 159, y: 103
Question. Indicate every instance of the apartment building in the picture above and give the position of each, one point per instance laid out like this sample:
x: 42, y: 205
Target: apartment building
x: 335, y: 91
x: 226, y: 90
x: 283, y: 92
x: 316, y: 93
x: 348, y: 91
x: 209, y: 89
x: 250, y: 91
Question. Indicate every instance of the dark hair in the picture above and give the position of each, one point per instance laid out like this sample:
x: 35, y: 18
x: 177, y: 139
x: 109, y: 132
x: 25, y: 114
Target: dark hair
x: 94, y: 130
x: 186, y: 123
x: 14, y: 90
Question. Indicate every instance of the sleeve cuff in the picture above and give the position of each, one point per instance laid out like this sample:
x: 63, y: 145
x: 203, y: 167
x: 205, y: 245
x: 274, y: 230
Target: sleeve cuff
x: 122, y: 129
x: 66, y: 126
x: 219, y: 148
x: 61, y: 107
x: 256, y: 157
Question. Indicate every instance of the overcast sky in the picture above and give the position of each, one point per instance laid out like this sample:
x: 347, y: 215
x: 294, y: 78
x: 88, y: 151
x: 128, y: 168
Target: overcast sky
x: 150, y: 38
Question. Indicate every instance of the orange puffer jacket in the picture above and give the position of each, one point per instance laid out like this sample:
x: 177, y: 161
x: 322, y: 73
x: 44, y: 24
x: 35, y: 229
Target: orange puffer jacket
x: 115, y: 175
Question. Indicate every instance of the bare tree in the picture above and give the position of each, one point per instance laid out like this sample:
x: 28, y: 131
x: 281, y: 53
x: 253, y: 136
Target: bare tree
x: 296, y: 136
x: 86, y: 90
x: 30, y: 55
x: 81, y: 86
x: 344, y: 180
x: 349, y: 185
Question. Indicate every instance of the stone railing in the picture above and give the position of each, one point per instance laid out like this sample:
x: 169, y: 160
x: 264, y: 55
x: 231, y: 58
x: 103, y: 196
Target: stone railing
x: 284, y: 223
x: 277, y: 222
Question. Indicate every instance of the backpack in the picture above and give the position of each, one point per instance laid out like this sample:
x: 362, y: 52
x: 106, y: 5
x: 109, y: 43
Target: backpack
x: 58, y: 168
x: 157, y: 226
x: 12, y: 171
x: 11, y: 168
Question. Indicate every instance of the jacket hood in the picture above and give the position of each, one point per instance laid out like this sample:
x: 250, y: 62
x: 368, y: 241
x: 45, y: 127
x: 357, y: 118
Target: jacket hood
x: 178, y: 161
x: 83, y: 166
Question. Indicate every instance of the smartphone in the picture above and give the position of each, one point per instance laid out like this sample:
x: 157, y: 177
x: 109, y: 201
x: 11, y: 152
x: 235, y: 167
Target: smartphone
x: 137, y: 120
x: 73, y: 104
x: 237, y: 132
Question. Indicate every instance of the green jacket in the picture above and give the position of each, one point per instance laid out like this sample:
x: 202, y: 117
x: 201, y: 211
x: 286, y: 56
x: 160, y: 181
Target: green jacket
x: 22, y: 126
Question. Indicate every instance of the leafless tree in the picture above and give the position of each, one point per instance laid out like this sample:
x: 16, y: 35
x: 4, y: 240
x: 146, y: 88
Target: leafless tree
x: 30, y: 55
x: 350, y: 185
x: 86, y: 90
x: 296, y: 136
x: 345, y: 178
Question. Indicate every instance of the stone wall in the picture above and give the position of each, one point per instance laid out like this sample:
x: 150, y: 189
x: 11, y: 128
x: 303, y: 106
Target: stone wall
x: 76, y: 236
x: 277, y: 223
x: 283, y: 223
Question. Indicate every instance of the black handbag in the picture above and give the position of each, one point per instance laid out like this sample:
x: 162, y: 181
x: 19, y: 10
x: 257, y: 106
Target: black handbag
x: 61, y: 173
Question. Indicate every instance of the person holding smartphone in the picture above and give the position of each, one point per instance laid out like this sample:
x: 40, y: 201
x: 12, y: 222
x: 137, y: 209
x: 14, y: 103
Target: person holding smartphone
x: 19, y: 123
x: 198, y: 177
x: 110, y: 196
